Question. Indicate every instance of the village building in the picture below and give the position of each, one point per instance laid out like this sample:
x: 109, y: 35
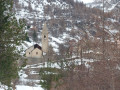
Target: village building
x: 37, y: 51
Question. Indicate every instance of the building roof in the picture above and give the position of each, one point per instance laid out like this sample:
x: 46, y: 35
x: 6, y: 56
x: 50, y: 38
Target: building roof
x: 35, y: 46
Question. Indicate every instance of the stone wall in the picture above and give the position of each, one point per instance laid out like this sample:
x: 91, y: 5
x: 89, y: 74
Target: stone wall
x: 31, y: 61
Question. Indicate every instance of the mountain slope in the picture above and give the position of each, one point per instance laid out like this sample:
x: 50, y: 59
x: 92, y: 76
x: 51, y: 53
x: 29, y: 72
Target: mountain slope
x: 66, y: 19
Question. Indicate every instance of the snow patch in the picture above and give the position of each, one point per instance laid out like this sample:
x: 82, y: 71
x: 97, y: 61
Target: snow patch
x: 21, y: 87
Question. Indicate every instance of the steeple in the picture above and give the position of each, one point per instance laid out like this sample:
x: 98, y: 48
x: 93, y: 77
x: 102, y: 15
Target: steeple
x: 45, y: 38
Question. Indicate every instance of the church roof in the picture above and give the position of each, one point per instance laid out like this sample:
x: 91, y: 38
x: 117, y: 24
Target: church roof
x: 35, y: 46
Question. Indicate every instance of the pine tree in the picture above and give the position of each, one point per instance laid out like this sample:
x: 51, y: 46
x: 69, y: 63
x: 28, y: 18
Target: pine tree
x: 11, y: 35
x: 35, y: 39
x: 27, y: 38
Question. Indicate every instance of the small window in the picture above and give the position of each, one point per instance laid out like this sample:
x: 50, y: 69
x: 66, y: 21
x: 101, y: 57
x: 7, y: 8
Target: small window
x: 29, y: 52
x: 36, y: 53
x: 44, y: 36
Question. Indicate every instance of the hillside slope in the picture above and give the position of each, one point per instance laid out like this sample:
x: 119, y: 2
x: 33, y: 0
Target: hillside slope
x: 66, y: 19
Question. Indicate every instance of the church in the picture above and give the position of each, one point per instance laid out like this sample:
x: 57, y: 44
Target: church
x: 37, y: 51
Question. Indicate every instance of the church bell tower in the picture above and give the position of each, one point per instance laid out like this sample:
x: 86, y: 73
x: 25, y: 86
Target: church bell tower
x: 45, y: 38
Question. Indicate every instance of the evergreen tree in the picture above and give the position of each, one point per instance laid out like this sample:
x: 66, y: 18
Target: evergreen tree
x: 11, y: 35
x: 27, y: 38
x: 35, y: 39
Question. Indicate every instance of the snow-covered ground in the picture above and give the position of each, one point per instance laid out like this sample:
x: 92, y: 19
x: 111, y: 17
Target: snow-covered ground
x: 24, y: 80
x: 22, y: 87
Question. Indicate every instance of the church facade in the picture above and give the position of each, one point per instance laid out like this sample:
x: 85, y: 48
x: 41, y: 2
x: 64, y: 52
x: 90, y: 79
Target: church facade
x: 37, y: 51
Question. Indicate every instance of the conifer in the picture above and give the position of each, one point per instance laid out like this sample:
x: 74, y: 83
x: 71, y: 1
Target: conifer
x: 11, y: 35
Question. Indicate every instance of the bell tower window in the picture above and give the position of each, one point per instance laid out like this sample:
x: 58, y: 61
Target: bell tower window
x: 44, y: 36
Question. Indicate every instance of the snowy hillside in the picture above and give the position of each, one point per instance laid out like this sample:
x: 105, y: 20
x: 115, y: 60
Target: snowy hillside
x: 109, y: 5
x: 33, y: 12
x: 34, y: 9
x: 65, y: 19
